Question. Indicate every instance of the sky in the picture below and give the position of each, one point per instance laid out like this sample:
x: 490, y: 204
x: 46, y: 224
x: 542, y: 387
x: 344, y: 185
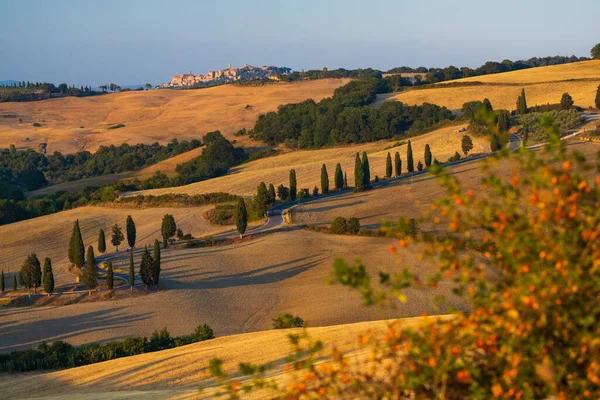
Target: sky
x: 137, y: 41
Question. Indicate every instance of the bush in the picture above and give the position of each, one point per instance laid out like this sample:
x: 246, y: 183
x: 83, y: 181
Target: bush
x: 353, y: 225
x: 287, y: 321
x: 455, y: 157
x: 339, y: 226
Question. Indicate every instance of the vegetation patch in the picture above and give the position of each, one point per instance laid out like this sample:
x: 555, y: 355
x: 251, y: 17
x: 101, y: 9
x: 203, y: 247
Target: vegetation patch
x: 116, y: 126
x: 534, y: 129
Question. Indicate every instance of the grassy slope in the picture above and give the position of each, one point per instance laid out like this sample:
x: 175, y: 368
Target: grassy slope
x: 244, y: 179
x: 149, y: 116
x: 178, y: 373
x: 542, y: 85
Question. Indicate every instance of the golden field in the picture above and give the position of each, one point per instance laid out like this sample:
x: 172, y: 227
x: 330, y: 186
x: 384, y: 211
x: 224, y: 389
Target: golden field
x: 72, y: 124
x: 542, y: 85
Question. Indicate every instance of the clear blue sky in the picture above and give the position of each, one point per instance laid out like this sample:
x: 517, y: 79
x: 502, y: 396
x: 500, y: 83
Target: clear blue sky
x: 137, y: 41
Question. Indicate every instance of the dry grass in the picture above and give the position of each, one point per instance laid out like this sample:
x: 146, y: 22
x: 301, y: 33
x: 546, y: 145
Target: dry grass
x: 178, y: 373
x: 244, y: 179
x: 148, y: 116
x: 542, y: 85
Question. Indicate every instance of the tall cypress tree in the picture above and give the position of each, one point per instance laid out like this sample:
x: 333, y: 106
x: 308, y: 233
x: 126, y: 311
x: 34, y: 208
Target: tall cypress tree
x: 388, y: 165
x: 241, y: 217
x: 101, y: 241
x: 131, y: 233
x: 339, y: 177
x: 366, y: 170
x: 168, y: 229
x: 146, y: 267
x: 131, y: 270
x: 156, y: 265
x: 31, y: 273
x: 48, y: 276
x: 15, y: 286
x: 359, y: 174
x: 262, y: 200
x: 293, y: 185
x: 345, y: 179
x: 272, y: 195
x: 324, y: 180
x: 2, y: 281
x: 90, y: 273
x: 522, y: 103
x: 397, y: 164
x: 76, y: 247
x: 410, y: 166
x: 597, y: 100
x: 428, y: 157
x: 110, y: 279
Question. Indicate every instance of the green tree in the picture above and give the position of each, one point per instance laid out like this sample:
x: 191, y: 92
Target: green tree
x: 495, y: 143
x: 293, y: 185
x: 15, y: 286
x: 428, y: 156
x: 31, y: 273
x: 283, y: 193
x: 339, y: 226
x: 101, y: 242
x: 2, y: 281
x: 595, y: 53
x: 272, y: 194
x: 146, y: 267
x: 76, y: 247
x: 503, y: 122
x: 116, y: 236
x: 466, y: 144
x: 324, y: 180
x: 345, y: 179
x: 110, y: 279
x: 566, y: 101
x: 131, y: 270
x: 48, y: 276
x: 366, y: 170
x: 130, y: 229
x: 90, y: 273
x: 156, y: 265
x: 522, y: 103
x: 240, y: 217
x: 419, y: 166
x: 410, y: 166
x: 597, y: 101
x: 487, y: 105
x: 168, y: 229
x: 359, y: 173
x: 388, y: 165
x: 397, y: 164
x: 262, y: 200
x: 339, y: 177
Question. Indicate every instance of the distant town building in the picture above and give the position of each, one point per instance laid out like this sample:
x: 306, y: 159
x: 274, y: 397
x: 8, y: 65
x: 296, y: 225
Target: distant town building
x: 245, y: 72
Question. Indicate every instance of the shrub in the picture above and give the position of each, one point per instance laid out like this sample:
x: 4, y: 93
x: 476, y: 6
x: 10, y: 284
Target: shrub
x: 287, y: 321
x: 353, y: 225
x: 36, y: 124
x: 339, y: 226
x: 455, y: 157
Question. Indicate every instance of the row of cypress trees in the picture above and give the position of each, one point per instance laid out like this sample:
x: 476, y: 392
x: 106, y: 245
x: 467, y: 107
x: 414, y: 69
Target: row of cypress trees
x: 32, y: 275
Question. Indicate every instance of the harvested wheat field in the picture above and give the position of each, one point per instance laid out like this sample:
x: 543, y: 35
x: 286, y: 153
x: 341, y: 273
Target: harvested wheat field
x: 244, y: 179
x: 48, y: 236
x: 73, y: 124
x: 178, y: 373
x: 542, y: 85
x: 235, y: 289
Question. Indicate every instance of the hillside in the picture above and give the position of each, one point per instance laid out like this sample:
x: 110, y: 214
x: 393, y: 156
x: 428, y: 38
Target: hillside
x: 542, y: 85
x: 73, y: 124
x: 243, y: 180
x: 178, y: 373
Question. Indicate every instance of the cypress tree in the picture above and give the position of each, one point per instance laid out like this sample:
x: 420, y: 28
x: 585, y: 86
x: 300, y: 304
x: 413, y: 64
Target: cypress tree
x: 428, y: 156
x: 241, y: 217
x: 116, y: 236
x: 168, y: 229
x: 345, y: 179
x: 366, y: 170
x: 494, y: 143
x: 146, y: 267
x: 2, y: 281
x: 272, y: 195
x: 419, y: 166
x: 130, y: 229
x: 487, y: 105
x: 339, y: 177
x: 522, y: 103
x: 397, y: 164
x: 48, y: 276
x: 262, y: 199
x: 388, y: 165
x: 90, y: 273
x: 31, y: 273
x: 359, y: 176
x: 110, y: 279
x: 597, y: 100
x: 101, y: 241
x: 76, y: 247
x: 15, y: 286
x: 324, y: 180
x: 156, y: 264
x: 566, y: 101
x: 410, y: 166
x: 131, y: 270
x: 293, y: 185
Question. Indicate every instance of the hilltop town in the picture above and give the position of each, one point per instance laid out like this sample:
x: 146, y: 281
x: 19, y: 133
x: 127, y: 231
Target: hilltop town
x: 243, y: 73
